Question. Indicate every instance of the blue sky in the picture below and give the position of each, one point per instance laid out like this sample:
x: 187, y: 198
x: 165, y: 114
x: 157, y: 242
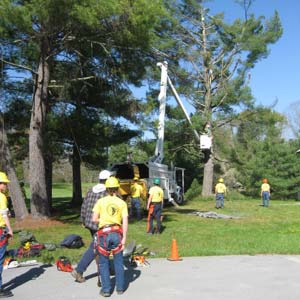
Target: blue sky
x: 277, y: 77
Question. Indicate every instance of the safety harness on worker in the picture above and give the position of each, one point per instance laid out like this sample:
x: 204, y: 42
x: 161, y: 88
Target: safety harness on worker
x: 3, y: 232
x: 103, y: 232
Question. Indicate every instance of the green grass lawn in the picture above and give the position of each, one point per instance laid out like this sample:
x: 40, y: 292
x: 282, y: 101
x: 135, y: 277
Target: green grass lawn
x: 259, y: 230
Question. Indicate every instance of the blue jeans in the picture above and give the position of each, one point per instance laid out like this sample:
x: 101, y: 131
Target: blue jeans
x: 2, y: 256
x: 219, y: 200
x: 266, y: 198
x: 135, y: 204
x: 157, y: 215
x: 109, y: 242
x: 87, y: 257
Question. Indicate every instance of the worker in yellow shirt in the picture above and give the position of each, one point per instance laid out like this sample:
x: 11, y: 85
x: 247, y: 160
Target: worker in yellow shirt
x: 136, y: 191
x: 265, y: 192
x: 154, y: 206
x: 5, y: 230
x: 111, y: 215
x: 220, y: 191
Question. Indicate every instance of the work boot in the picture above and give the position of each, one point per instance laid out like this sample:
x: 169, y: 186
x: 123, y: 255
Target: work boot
x: 78, y: 276
x: 104, y: 294
x: 5, y: 294
x: 99, y: 283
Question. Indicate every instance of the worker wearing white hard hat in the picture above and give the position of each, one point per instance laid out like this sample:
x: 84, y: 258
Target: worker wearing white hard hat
x: 104, y: 174
x: 96, y: 192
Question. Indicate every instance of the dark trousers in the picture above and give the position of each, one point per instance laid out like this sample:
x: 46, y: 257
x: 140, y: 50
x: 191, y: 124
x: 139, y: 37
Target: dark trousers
x: 157, y: 215
x: 88, y: 256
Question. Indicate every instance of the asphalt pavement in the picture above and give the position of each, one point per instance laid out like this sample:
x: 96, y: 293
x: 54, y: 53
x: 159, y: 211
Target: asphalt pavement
x: 268, y: 277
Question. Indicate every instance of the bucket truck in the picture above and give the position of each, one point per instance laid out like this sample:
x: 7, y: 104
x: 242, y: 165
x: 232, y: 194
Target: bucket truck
x: 171, y: 178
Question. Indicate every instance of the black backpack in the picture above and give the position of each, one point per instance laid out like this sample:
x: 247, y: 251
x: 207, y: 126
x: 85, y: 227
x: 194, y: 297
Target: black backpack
x: 72, y: 241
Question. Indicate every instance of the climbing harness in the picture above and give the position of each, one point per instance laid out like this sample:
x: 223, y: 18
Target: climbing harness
x: 103, y: 232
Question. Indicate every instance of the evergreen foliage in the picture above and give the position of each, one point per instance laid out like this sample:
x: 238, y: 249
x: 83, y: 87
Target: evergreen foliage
x: 213, y: 58
x: 261, y: 152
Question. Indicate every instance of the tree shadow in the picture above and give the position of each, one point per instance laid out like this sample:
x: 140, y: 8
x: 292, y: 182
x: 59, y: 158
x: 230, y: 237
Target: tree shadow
x: 63, y: 211
x: 185, y: 211
x: 31, y: 274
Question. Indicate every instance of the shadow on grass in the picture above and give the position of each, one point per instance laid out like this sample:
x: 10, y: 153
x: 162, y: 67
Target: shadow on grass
x: 185, y: 211
x: 64, y: 211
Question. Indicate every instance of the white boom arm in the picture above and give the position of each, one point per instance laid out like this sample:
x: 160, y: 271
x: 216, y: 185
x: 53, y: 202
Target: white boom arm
x: 159, y: 149
x: 165, y: 80
x: 182, y: 107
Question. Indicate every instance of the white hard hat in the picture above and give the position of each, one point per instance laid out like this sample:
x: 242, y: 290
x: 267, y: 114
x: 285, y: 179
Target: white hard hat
x: 104, y: 174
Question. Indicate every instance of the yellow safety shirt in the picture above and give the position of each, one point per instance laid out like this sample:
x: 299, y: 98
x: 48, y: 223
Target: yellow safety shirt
x: 157, y: 194
x: 220, y: 188
x: 111, y: 209
x: 3, y: 208
x: 136, y: 190
x: 265, y: 187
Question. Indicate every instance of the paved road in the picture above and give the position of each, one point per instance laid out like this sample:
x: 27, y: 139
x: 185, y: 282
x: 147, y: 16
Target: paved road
x: 243, y: 277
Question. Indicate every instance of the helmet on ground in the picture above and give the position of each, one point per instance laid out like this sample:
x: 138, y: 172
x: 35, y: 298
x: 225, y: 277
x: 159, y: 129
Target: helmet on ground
x: 265, y: 180
x: 156, y: 180
x: 103, y: 175
x: 3, y: 178
x: 112, y: 182
x: 221, y: 180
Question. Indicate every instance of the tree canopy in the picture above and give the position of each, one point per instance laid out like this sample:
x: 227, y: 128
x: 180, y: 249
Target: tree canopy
x: 79, y: 61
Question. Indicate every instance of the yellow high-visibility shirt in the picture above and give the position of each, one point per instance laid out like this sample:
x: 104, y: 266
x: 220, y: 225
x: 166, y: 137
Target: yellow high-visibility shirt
x: 111, y: 210
x: 157, y: 193
x: 265, y: 187
x: 220, y: 188
x: 136, y: 190
x: 3, y: 207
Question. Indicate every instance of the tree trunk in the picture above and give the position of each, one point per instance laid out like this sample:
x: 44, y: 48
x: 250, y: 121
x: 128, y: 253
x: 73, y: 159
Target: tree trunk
x: 77, y: 192
x: 39, y: 203
x: 49, y: 167
x: 17, y: 197
x: 208, y: 174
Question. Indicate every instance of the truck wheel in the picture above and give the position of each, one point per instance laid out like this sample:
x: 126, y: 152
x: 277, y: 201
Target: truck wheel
x: 179, y: 198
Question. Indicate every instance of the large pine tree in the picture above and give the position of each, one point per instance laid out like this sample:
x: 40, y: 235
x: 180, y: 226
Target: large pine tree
x: 40, y: 33
x: 214, y: 59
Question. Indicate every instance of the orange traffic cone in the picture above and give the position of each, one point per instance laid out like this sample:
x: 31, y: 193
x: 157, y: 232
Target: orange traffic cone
x: 174, y: 252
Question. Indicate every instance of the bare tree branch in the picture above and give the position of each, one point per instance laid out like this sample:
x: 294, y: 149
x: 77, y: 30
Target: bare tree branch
x: 18, y: 66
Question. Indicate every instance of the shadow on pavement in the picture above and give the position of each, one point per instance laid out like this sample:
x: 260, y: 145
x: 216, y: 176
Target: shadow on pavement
x: 131, y: 275
x: 31, y: 274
